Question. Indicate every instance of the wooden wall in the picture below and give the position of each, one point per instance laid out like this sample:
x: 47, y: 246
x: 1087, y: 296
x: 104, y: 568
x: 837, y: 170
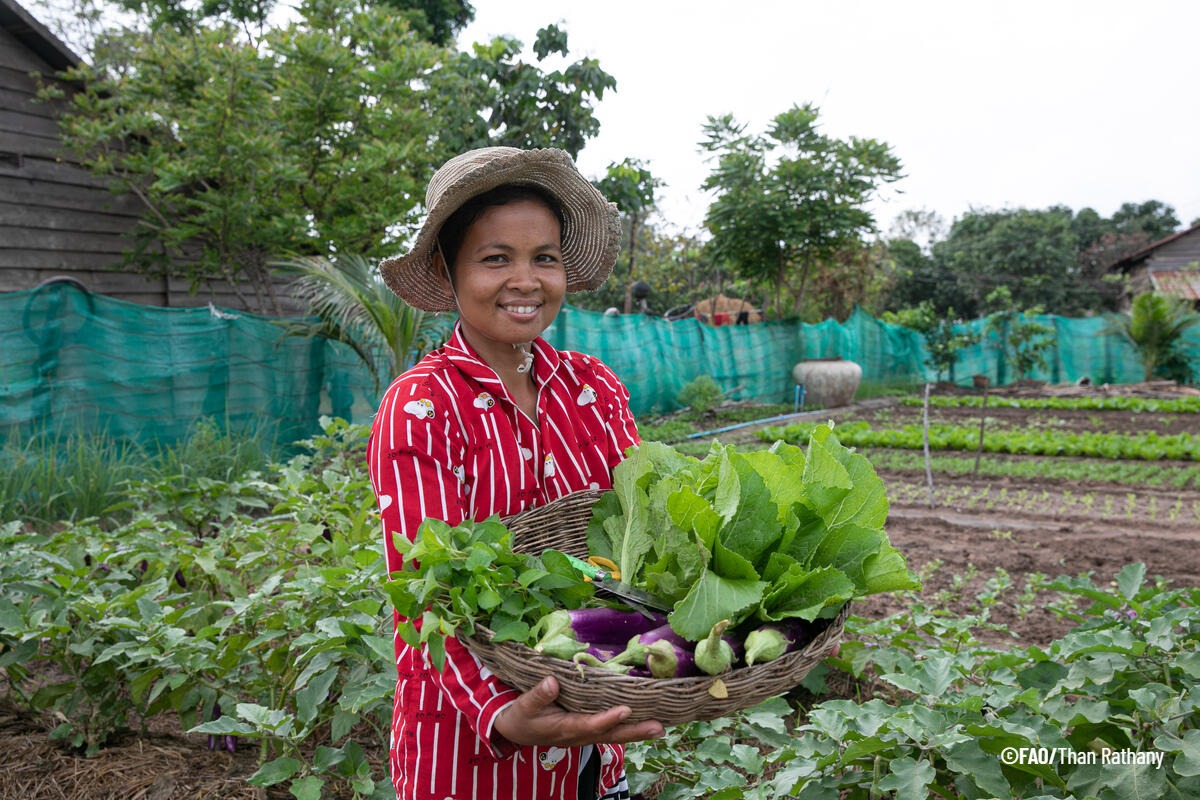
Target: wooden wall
x: 1178, y: 253
x: 58, y: 220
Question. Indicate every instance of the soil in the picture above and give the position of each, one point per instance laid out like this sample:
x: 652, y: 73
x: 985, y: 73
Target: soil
x: 1031, y: 527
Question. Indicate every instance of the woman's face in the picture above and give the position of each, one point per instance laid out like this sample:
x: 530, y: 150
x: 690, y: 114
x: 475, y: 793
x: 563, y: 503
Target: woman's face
x: 509, y: 277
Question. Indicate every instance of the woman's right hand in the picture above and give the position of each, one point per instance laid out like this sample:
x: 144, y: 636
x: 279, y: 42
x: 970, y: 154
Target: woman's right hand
x: 535, y: 719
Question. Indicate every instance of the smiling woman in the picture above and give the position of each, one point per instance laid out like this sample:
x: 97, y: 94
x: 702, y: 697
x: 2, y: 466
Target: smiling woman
x: 495, y: 422
x: 506, y: 276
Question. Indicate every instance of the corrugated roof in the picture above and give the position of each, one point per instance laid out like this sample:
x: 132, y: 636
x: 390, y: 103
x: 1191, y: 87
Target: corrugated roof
x: 1183, y: 283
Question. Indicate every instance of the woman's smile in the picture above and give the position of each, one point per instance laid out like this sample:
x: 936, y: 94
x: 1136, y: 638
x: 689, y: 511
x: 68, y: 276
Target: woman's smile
x: 508, y: 278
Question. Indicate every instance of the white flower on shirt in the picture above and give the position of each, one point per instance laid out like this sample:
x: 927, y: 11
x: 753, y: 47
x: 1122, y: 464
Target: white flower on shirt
x: 421, y: 409
x: 550, y: 757
x: 526, y: 453
x: 460, y: 473
x: 484, y: 400
x: 548, y: 469
x: 385, y: 502
x: 586, y: 396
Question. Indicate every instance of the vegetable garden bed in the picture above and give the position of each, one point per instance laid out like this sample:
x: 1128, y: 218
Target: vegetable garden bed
x: 987, y: 548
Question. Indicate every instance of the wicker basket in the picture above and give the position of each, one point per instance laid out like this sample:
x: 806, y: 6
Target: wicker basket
x: 561, y: 525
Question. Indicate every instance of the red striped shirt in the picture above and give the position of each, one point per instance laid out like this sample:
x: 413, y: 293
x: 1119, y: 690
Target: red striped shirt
x: 449, y: 442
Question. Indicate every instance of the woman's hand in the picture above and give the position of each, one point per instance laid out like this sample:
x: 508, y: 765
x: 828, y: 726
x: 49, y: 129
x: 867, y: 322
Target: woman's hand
x: 535, y: 719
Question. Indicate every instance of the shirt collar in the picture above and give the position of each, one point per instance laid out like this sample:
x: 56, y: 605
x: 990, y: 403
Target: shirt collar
x: 460, y: 353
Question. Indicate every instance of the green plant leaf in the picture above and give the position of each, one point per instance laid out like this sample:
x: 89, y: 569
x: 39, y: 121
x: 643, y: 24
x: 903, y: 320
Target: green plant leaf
x: 1130, y: 580
x: 711, y: 600
x: 909, y: 778
x: 307, y: 788
x: 276, y: 771
x: 804, y: 593
x: 310, y: 699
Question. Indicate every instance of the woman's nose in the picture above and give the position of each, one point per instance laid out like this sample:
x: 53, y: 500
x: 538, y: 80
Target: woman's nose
x: 523, y: 275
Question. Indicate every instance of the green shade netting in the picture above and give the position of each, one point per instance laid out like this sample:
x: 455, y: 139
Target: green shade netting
x: 73, y: 361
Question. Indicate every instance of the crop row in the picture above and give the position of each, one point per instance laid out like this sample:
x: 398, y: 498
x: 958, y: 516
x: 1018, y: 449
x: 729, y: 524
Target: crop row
x: 1146, y: 446
x: 1133, y: 473
x: 1103, y: 505
x: 1152, y: 405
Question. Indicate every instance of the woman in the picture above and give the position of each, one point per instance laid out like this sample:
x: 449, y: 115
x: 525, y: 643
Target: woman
x: 494, y: 422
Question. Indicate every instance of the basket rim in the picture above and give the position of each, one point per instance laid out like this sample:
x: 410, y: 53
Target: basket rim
x: 822, y: 641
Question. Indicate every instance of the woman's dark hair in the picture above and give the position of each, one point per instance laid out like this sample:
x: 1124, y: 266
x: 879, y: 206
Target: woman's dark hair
x: 454, y: 229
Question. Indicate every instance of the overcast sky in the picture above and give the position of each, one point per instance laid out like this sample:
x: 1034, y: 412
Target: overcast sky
x: 987, y: 104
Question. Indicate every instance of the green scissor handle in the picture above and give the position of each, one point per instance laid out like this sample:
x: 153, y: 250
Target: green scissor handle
x: 590, y: 570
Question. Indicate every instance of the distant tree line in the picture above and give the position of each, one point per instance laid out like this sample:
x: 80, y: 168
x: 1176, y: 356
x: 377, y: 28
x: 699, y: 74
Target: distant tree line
x: 258, y: 139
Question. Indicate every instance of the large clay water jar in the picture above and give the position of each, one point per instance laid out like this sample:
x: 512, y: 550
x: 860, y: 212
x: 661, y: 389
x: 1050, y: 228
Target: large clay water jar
x: 827, y: 382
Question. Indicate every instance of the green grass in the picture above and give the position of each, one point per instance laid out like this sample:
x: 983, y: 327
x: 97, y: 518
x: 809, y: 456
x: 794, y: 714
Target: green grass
x: 61, y: 478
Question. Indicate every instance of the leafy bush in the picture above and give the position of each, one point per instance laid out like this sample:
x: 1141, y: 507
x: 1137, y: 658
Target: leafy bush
x: 252, y: 608
x: 700, y: 395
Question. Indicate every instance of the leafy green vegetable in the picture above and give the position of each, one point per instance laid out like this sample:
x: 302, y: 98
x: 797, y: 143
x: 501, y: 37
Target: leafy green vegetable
x: 455, y: 577
x: 770, y: 534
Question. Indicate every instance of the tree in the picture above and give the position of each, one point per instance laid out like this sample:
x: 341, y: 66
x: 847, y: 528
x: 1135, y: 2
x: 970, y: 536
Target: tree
x: 631, y: 186
x: 1061, y: 259
x: 313, y: 138
x: 921, y: 226
x: 788, y: 201
x: 1155, y: 326
x: 855, y: 276
x: 1032, y: 253
x: 944, y: 338
x: 1022, y: 341
x: 492, y: 97
x: 437, y: 21
x: 1152, y: 219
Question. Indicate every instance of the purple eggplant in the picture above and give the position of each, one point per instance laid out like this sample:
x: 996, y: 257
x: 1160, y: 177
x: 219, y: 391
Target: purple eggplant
x: 631, y: 657
x: 668, y: 654
x: 611, y: 626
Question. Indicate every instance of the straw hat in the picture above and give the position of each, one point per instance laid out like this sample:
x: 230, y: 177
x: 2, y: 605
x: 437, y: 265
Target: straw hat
x: 591, y: 228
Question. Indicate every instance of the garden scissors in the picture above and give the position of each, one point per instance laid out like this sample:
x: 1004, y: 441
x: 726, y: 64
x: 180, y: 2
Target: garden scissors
x: 605, y: 575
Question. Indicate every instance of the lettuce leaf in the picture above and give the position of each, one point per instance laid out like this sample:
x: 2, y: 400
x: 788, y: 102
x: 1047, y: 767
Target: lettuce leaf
x: 714, y: 598
x: 774, y: 533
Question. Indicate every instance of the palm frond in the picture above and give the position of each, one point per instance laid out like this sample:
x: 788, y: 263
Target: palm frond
x: 356, y: 307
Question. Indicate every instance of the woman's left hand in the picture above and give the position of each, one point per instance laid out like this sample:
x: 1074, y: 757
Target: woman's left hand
x: 534, y: 719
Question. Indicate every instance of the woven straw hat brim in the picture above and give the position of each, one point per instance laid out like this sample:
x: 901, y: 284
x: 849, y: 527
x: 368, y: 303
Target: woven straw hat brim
x: 591, y: 230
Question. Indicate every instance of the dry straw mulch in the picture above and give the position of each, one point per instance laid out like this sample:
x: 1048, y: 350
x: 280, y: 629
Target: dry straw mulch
x: 159, y: 767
